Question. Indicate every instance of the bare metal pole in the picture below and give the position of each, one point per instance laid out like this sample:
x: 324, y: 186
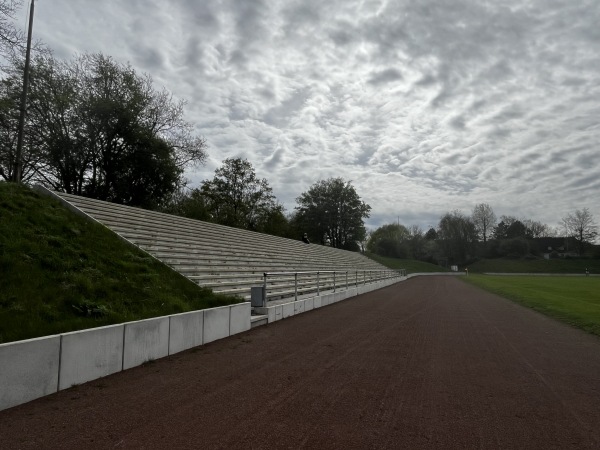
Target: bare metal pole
x: 23, y: 109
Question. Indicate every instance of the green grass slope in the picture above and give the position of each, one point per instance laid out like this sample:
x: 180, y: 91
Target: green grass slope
x: 570, y: 266
x: 573, y: 300
x: 411, y: 265
x: 60, y: 273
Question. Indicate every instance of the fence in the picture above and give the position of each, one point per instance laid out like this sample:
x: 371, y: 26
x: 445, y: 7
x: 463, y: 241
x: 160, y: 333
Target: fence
x: 278, y: 285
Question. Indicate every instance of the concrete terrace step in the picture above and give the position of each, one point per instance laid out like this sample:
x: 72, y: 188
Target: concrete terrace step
x: 226, y: 259
x: 155, y: 230
x: 155, y: 225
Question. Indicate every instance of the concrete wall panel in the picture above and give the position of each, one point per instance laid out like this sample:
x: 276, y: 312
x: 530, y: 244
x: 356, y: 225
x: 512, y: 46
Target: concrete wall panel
x: 309, y: 304
x: 329, y: 298
x: 216, y: 323
x: 299, y: 307
x: 272, y: 311
x: 186, y: 331
x: 317, y: 303
x: 145, y: 340
x: 90, y: 354
x: 29, y: 370
x: 239, y: 319
x: 288, y: 310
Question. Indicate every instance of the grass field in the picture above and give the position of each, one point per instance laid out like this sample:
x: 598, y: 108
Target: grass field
x: 60, y: 272
x: 535, y: 266
x: 573, y: 300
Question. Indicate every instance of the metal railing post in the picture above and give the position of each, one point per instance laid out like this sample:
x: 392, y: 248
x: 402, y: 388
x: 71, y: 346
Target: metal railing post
x: 346, y: 280
x: 318, y: 287
x: 334, y: 281
x: 264, y: 289
x: 295, y: 286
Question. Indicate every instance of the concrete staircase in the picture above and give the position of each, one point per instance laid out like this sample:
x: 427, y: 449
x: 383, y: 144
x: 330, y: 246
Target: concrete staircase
x: 225, y: 259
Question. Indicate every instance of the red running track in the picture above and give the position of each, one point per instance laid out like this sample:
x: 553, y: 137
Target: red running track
x: 431, y: 362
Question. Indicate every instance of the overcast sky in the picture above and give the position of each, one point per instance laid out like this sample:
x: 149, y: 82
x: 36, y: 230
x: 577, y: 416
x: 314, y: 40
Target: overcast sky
x: 427, y: 106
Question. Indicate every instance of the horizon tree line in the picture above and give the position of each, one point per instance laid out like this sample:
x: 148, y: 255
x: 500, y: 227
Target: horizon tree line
x: 459, y: 238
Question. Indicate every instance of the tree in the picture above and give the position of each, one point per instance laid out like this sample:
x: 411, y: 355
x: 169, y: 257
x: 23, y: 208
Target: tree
x: 97, y: 128
x: 237, y: 198
x: 536, y: 229
x: 510, y: 227
x: 456, y: 234
x: 431, y: 234
x: 484, y: 219
x: 582, y: 227
x: 390, y: 240
x: 331, y: 209
x: 416, y: 242
x: 10, y: 36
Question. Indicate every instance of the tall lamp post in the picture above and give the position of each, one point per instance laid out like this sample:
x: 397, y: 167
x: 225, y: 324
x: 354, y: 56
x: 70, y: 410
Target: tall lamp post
x: 18, y: 172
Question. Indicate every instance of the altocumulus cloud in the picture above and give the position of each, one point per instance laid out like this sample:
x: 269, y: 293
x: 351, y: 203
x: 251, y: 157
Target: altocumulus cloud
x: 426, y: 106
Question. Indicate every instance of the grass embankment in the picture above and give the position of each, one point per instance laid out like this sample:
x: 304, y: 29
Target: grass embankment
x: 573, y: 300
x: 535, y: 266
x: 60, y: 272
x: 411, y: 265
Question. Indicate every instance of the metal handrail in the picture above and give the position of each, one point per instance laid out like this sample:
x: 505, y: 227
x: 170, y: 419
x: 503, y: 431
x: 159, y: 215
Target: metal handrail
x: 326, y: 282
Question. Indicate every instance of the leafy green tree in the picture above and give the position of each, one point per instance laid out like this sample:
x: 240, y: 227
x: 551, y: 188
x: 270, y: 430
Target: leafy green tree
x: 456, y: 235
x: 97, y: 128
x: 390, y: 240
x: 332, y: 210
x: 431, y: 234
x: 237, y: 197
x: 416, y: 242
x: 190, y: 204
x: 510, y: 227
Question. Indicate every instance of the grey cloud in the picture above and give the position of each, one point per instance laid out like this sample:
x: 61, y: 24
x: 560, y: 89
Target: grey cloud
x: 275, y: 160
x: 428, y: 105
x: 150, y: 58
x: 280, y: 114
x: 385, y: 76
x: 458, y: 122
x: 194, y: 54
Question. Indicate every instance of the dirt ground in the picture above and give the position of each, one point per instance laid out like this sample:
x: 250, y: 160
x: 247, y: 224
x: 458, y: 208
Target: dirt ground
x: 427, y: 363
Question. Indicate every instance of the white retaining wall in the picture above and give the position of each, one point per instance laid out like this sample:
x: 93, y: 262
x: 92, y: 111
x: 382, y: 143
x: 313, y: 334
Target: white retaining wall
x: 28, y: 370
x: 37, y: 367
x: 90, y: 354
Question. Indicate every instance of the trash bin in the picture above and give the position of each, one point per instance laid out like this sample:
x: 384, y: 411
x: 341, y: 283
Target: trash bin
x: 257, y: 297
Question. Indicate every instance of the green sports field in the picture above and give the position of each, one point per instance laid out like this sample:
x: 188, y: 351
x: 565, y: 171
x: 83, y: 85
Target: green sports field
x: 573, y: 300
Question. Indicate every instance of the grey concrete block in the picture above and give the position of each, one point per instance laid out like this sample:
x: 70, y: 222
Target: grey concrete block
x: 216, y: 323
x: 275, y: 313
x: 186, y: 331
x: 29, y: 370
x: 287, y: 310
x: 145, y: 340
x: 239, y: 318
x: 299, y: 307
x: 309, y: 304
x: 328, y: 299
x: 317, y: 303
x: 90, y: 354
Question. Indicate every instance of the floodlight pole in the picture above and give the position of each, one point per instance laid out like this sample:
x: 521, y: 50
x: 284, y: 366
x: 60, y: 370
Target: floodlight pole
x: 23, y: 109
